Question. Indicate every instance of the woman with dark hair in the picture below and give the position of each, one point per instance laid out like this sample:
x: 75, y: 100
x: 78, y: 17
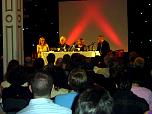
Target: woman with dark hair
x: 94, y: 101
x: 15, y: 97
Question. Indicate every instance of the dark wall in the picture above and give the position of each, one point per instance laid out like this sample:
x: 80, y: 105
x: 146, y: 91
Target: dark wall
x: 40, y: 19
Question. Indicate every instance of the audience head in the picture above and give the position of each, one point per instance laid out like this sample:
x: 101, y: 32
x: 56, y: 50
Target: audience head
x: 12, y: 64
x: 123, y: 80
x: 78, y: 79
x: 132, y: 56
x: 66, y: 59
x: 94, y: 101
x: 108, y: 60
x: 28, y: 62
x: 51, y: 58
x: 139, y: 62
x: 17, y: 75
x: 138, y: 76
x: 41, y: 85
x: 97, y: 61
x: 58, y: 62
x: 78, y: 60
x: 38, y: 64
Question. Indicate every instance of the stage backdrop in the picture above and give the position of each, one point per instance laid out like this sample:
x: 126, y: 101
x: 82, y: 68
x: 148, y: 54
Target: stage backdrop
x: 89, y: 18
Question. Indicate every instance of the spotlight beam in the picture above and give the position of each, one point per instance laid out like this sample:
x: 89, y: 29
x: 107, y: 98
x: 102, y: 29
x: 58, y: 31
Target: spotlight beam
x: 92, y: 14
x: 78, y: 29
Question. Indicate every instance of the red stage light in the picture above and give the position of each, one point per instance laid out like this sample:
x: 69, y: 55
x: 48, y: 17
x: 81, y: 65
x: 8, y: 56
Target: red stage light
x: 92, y: 14
x: 78, y: 29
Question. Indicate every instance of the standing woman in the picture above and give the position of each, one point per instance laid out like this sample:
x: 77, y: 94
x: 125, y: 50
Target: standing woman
x: 42, y: 47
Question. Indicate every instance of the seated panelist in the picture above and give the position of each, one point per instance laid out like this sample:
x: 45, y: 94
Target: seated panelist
x: 42, y: 46
x: 62, y: 44
x: 81, y: 44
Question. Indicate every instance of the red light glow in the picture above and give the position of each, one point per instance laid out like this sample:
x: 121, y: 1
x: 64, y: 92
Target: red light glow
x: 92, y: 14
x: 78, y: 29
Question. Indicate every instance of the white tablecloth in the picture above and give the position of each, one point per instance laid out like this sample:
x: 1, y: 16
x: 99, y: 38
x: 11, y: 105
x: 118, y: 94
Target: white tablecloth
x: 61, y: 54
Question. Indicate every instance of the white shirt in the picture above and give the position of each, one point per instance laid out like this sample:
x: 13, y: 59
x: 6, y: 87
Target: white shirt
x: 44, y: 106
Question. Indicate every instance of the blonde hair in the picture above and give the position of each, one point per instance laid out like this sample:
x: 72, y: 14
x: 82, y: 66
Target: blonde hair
x: 62, y: 38
x: 42, y: 38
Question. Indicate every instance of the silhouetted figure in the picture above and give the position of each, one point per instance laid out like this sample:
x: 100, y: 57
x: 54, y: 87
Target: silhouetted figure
x: 94, y: 101
x: 103, y: 46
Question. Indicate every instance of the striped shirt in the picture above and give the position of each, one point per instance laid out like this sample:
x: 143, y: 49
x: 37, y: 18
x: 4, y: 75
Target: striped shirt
x: 44, y: 106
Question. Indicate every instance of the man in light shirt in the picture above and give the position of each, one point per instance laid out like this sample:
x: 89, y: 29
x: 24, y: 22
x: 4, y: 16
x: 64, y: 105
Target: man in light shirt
x: 41, y: 86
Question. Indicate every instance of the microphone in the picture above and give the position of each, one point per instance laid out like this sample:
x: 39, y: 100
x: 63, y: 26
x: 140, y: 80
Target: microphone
x: 93, y: 43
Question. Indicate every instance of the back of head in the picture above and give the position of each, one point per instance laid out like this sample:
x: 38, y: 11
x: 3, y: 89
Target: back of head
x: 133, y: 55
x: 94, y: 101
x: 59, y: 62
x: 78, y: 79
x: 41, y: 85
x: 139, y: 62
x: 66, y: 58
x: 38, y: 63
x: 51, y: 58
x: 123, y: 80
x: 17, y: 75
x: 77, y: 60
x: 13, y: 63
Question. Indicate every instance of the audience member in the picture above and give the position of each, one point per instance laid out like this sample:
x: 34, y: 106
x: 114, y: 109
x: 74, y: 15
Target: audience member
x: 139, y: 90
x: 41, y: 86
x: 60, y: 78
x: 28, y: 65
x: 38, y: 64
x: 77, y: 81
x: 11, y: 65
x: 59, y: 62
x: 125, y: 102
x: 50, y: 66
x: 66, y: 62
x: 77, y: 60
x: 132, y: 56
x: 139, y: 62
x: 16, y: 97
x: 94, y: 101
